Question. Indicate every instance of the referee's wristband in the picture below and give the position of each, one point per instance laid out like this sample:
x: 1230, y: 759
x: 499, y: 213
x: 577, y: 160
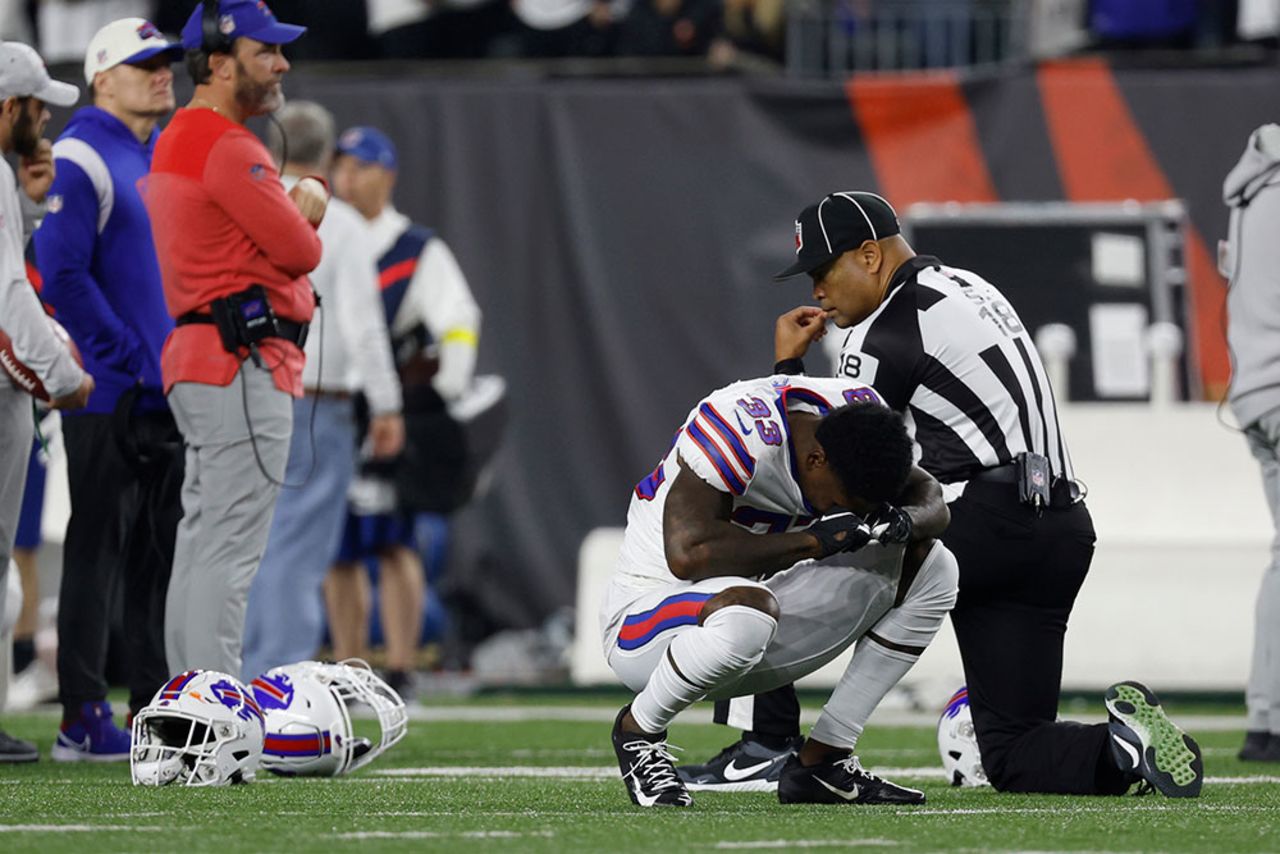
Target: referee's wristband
x: 791, y: 367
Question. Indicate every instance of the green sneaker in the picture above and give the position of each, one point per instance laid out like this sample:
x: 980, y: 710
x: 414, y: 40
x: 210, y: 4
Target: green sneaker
x: 1145, y: 742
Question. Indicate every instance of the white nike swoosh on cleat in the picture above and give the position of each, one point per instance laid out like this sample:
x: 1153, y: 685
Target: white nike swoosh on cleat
x: 641, y: 798
x: 1129, y: 749
x: 733, y: 772
x: 848, y: 796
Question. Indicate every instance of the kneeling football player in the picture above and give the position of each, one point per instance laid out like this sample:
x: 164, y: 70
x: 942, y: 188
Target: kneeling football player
x: 786, y: 522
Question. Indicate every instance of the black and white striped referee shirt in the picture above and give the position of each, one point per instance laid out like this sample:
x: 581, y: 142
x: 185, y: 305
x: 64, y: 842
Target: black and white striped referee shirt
x: 947, y: 350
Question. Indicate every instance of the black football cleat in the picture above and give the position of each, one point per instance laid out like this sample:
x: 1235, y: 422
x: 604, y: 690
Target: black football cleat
x: 15, y: 750
x: 840, y: 782
x: 1145, y: 742
x: 648, y: 768
x: 744, y: 766
x: 1260, y: 746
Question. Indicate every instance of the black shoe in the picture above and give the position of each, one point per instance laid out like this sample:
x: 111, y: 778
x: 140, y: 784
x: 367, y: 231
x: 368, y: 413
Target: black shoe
x: 1260, y: 746
x: 744, y: 766
x: 1145, y: 742
x: 840, y: 782
x: 14, y: 750
x: 648, y: 768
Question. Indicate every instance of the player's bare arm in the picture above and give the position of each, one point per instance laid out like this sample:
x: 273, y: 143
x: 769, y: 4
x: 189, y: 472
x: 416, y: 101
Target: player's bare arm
x: 796, y: 330
x: 922, y: 501
x: 700, y: 541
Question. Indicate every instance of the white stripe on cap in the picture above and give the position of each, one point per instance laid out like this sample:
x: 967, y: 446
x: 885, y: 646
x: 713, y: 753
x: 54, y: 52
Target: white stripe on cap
x: 821, y: 225
x: 861, y: 210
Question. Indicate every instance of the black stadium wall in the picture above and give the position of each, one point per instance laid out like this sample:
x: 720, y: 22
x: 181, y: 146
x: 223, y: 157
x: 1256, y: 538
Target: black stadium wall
x: 620, y: 234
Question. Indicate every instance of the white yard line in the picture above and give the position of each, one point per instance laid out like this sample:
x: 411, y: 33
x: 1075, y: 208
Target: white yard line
x: 71, y: 828
x: 806, y: 843
x: 608, y: 772
x: 433, y: 834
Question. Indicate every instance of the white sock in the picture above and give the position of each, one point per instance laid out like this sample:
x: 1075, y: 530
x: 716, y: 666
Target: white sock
x: 875, y: 667
x: 721, y: 650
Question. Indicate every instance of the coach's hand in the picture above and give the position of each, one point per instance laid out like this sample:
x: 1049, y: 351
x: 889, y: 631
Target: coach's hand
x: 77, y: 399
x: 36, y: 173
x: 311, y: 198
x: 840, y: 532
x: 890, y: 524
x: 796, y: 330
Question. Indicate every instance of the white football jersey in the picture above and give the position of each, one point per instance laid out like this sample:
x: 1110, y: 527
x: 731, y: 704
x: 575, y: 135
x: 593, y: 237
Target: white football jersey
x: 738, y: 440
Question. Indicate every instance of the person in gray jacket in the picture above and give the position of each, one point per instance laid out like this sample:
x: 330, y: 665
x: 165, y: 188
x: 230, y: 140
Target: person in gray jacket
x: 1251, y: 261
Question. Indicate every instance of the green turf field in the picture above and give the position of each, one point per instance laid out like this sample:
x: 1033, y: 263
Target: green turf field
x: 537, y: 774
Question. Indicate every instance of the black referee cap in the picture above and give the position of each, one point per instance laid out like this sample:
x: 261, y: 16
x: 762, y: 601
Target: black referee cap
x: 838, y: 223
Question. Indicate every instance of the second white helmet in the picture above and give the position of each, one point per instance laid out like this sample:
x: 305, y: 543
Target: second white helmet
x: 309, y: 708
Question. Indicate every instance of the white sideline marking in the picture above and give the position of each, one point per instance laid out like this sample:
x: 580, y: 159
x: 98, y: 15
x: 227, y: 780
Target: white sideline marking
x: 68, y: 828
x: 808, y: 843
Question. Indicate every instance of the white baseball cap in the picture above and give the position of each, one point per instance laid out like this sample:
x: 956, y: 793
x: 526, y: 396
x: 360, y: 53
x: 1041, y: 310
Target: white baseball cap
x: 22, y: 75
x: 126, y: 40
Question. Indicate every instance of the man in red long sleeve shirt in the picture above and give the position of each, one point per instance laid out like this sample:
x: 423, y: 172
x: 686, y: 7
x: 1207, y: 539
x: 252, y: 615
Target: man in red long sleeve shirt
x: 223, y: 223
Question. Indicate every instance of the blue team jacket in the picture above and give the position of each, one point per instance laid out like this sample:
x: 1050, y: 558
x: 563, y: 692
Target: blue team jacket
x: 98, y: 262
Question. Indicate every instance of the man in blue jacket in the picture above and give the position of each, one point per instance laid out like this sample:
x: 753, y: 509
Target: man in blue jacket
x: 124, y: 461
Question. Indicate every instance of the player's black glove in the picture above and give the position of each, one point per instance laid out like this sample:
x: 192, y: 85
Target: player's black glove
x: 840, y: 532
x: 890, y: 524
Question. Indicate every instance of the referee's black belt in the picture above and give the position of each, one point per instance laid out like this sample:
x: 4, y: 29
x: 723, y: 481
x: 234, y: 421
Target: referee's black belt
x: 1062, y: 492
x: 289, y: 330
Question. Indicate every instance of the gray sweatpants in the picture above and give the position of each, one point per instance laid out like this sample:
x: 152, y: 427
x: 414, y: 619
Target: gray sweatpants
x: 227, y: 503
x: 1263, y: 694
x: 16, y: 429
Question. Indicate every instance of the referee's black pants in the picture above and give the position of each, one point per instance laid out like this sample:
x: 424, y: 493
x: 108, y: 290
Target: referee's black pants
x: 1019, y: 576
x: 125, y: 506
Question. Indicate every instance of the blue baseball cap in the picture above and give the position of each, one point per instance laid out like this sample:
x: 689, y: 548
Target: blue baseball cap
x: 240, y: 18
x: 368, y: 145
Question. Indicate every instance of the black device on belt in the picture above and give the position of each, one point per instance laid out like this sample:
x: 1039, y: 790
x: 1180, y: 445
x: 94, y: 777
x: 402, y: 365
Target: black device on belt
x: 1037, y: 488
x: 246, y: 318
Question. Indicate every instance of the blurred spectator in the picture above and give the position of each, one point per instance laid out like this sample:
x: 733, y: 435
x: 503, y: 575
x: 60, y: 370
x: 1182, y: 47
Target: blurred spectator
x: 753, y: 26
x: 669, y: 27
x: 285, y: 619
x: 435, y: 326
x: 336, y: 29
x: 15, y: 21
x: 417, y: 29
x: 124, y: 455
x: 556, y: 28
x: 66, y: 26
x: 1134, y: 23
x: 1252, y: 263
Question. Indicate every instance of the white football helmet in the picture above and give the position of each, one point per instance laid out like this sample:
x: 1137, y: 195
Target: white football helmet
x: 309, y: 708
x: 958, y: 744
x: 203, y: 728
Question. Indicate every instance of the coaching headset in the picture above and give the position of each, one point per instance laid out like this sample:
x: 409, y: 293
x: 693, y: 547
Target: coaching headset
x: 212, y: 39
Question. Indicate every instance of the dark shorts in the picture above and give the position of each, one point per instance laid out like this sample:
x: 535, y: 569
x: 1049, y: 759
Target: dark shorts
x: 28, y: 536
x: 366, y: 536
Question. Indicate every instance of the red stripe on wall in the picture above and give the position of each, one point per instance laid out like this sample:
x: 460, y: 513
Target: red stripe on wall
x: 1102, y: 155
x: 922, y: 138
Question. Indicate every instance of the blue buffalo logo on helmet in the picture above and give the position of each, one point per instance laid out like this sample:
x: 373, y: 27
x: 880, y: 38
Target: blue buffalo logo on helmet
x: 273, y: 691
x: 238, y: 701
x: 958, y: 701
